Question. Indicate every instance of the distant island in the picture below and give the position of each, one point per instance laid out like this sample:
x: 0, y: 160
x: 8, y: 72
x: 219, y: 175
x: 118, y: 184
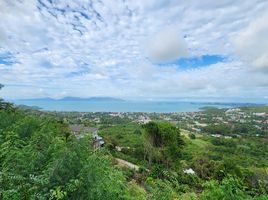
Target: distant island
x: 25, y: 107
x: 233, y: 104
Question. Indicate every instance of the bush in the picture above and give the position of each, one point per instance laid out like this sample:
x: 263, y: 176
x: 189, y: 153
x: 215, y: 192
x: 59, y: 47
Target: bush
x: 192, y: 136
x: 229, y: 189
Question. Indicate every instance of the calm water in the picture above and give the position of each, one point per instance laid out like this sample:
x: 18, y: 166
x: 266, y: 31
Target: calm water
x: 125, y: 106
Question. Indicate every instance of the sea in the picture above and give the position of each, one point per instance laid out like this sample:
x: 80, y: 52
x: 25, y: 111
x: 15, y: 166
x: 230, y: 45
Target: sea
x: 118, y: 106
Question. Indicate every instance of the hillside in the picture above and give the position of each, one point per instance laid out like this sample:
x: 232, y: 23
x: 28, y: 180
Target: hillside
x: 41, y: 158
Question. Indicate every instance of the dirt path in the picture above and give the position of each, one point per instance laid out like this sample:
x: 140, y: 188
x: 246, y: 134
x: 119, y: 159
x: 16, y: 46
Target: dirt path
x: 127, y: 164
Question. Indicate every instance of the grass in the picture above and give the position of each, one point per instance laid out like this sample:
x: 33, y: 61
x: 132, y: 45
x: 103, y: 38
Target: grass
x: 200, y: 143
x: 256, y: 109
x: 194, y: 147
x: 124, y: 135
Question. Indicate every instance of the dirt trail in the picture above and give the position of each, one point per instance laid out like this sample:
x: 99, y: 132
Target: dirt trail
x: 127, y: 164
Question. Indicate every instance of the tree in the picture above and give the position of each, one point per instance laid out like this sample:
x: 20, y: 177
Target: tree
x: 180, y: 141
x: 99, y: 180
x: 192, y: 136
x: 161, y: 143
x: 65, y: 130
x: 229, y: 189
x: 1, y: 100
x: 37, y: 162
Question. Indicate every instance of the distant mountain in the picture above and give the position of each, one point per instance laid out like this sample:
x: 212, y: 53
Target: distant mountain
x: 25, y: 107
x: 37, y: 99
x: 95, y: 99
x: 90, y: 99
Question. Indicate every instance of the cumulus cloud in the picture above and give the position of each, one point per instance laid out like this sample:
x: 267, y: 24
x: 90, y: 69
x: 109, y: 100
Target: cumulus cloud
x: 2, y: 36
x: 88, y: 48
x: 252, y: 42
x: 166, y: 45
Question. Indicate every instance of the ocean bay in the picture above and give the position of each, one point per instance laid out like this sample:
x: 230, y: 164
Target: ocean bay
x: 117, y: 106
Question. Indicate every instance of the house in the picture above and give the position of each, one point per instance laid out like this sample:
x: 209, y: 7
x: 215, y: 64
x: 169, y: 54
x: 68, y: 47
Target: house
x: 189, y: 171
x: 216, y: 135
x: 97, y: 141
x: 79, y: 130
x: 232, y: 110
x: 196, y: 129
x: 263, y: 114
x: 143, y: 119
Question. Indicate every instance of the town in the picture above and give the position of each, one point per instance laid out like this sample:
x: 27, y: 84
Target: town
x: 234, y: 122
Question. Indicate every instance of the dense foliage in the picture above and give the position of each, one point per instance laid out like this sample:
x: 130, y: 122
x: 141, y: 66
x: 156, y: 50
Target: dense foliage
x: 36, y: 162
x: 41, y: 159
x: 162, y: 143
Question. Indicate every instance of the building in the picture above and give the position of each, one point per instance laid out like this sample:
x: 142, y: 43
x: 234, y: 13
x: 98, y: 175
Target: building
x: 79, y: 130
x: 97, y: 142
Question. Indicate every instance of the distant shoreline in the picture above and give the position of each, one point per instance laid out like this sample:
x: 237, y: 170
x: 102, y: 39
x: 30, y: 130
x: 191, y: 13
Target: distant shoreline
x: 122, y: 106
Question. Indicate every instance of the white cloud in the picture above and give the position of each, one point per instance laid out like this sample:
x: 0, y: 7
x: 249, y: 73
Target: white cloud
x: 88, y: 48
x: 2, y: 36
x: 166, y: 45
x: 252, y: 42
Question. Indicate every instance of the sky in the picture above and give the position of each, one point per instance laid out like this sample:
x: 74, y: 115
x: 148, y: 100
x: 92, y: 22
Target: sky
x: 141, y: 49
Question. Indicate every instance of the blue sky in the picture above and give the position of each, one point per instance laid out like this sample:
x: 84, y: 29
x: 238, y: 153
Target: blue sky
x: 142, y: 49
x: 194, y: 61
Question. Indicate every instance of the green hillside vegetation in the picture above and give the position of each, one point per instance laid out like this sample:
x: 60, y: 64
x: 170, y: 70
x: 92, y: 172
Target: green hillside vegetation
x: 38, y: 163
x: 41, y: 159
x: 256, y: 109
x: 126, y: 135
